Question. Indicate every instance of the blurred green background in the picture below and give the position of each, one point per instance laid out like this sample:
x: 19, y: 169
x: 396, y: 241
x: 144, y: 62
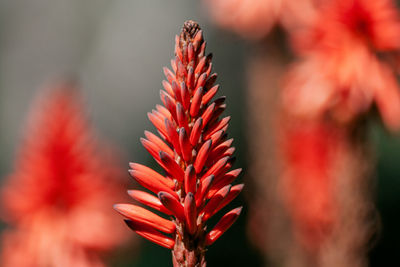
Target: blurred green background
x: 117, y: 50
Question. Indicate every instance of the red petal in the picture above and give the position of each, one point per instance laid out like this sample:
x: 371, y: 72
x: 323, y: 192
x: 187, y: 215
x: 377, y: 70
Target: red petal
x: 167, y: 86
x: 203, y: 190
x: 159, y: 143
x: 217, y: 112
x: 217, y: 167
x: 172, y: 204
x: 173, y: 65
x: 170, y: 105
x: 211, y: 80
x: 181, y: 70
x: 153, y: 149
x: 165, y: 112
x: 208, y: 71
x: 151, y: 234
x: 148, y: 200
x: 185, y: 96
x: 201, y: 81
x: 198, y: 39
x: 226, y: 221
x: 190, y: 78
x: 210, y: 94
x: 207, y: 114
x: 172, y: 135
x: 153, y: 185
x: 184, y: 54
x: 216, y: 127
x: 225, y: 168
x: 159, y: 115
x: 178, y: 50
x: 200, y: 66
x: 214, y: 157
x: 233, y: 193
x: 171, y: 166
x: 186, y: 147
x: 229, y: 152
x: 196, y: 131
x: 223, y: 181
x: 181, y: 116
x: 215, y: 138
x: 202, y: 49
x: 163, y: 94
x: 190, y: 179
x: 190, y: 213
x: 219, y: 150
x: 151, y: 174
x: 169, y: 75
x: 196, y: 102
x: 214, y: 202
x: 202, y: 156
x: 190, y: 52
x: 145, y: 217
x: 177, y: 91
x: 158, y: 123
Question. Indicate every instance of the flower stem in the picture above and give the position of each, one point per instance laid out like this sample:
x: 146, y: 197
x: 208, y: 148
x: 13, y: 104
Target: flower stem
x: 188, y: 251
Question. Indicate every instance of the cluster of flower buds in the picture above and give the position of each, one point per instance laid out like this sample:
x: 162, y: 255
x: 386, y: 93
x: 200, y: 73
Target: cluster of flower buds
x: 194, y: 152
x: 62, y: 179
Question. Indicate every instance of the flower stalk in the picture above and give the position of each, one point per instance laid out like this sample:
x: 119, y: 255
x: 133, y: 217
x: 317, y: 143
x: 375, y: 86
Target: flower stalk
x: 195, y: 154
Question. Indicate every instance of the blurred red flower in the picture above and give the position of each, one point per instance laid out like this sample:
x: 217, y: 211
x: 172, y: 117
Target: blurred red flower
x: 347, y: 63
x: 310, y: 152
x: 254, y: 18
x: 58, y: 198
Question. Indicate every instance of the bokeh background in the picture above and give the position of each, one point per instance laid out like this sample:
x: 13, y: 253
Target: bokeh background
x: 116, y: 50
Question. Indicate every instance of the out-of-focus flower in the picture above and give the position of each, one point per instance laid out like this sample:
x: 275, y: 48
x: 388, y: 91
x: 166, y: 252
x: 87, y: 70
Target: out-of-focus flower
x: 309, y: 151
x: 249, y: 18
x: 347, y: 63
x: 254, y: 18
x: 58, y: 198
x: 195, y: 154
x: 326, y: 188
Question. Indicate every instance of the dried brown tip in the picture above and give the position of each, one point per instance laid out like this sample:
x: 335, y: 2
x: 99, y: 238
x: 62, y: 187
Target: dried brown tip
x: 189, y: 31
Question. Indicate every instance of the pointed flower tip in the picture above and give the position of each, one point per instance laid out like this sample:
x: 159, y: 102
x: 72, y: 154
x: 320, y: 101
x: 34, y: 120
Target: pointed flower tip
x: 117, y: 207
x: 121, y: 208
x: 132, y: 165
x: 238, y: 210
x: 160, y: 194
x: 162, y: 155
x: 239, y: 187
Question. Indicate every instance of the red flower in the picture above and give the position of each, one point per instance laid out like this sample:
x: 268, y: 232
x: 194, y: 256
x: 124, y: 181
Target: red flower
x: 57, y: 197
x: 195, y: 155
x: 310, y: 152
x: 250, y: 18
x: 347, y: 63
x: 255, y: 18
